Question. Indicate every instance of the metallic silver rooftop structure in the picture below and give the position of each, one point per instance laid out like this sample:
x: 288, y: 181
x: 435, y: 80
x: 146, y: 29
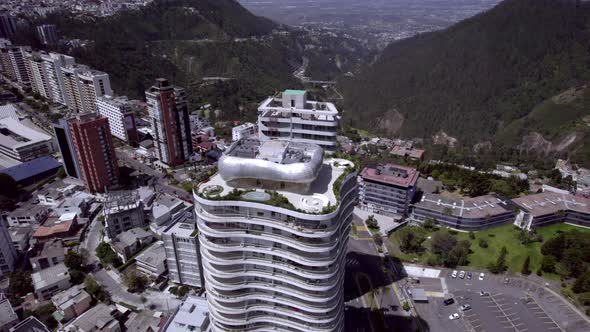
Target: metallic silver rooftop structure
x: 274, y: 160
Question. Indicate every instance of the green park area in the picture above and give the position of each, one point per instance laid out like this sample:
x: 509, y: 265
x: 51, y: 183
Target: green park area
x: 484, y: 246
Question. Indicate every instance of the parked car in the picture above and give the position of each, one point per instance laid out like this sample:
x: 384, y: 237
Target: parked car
x: 449, y: 301
x: 454, y: 275
x: 484, y: 293
x: 468, y: 275
x: 481, y: 276
x: 506, y: 281
x: 462, y: 274
x: 454, y: 316
x: 465, y: 307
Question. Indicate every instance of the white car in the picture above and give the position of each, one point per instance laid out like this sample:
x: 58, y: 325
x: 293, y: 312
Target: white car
x: 454, y: 316
x: 462, y: 274
x: 454, y: 275
x: 481, y: 276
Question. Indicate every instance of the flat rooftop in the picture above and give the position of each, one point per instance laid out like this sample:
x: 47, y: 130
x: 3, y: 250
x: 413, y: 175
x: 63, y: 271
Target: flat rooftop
x: 392, y: 174
x: 14, y: 135
x: 153, y: 255
x: 550, y: 202
x: 192, y: 312
x: 470, y: 208
x: 182, y: 229
x: 50, y: 276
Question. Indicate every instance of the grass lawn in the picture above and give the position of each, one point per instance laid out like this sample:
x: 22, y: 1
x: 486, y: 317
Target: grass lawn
x: 496, y: 237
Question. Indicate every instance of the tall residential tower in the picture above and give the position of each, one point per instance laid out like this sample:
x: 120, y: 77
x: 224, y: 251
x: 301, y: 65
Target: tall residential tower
x: 168, y: 109
x: 273, y: 230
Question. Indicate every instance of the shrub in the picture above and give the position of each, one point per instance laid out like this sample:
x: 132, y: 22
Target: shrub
x: 548, y: 263
x: 406, y: 306
x: 483, y: 243
x: 472, y: 235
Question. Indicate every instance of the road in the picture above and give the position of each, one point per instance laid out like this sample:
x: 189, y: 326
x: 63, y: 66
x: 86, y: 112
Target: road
x: 92, y: 239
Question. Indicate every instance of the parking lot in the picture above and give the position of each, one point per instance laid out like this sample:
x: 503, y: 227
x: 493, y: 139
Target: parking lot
x: 514, y: 305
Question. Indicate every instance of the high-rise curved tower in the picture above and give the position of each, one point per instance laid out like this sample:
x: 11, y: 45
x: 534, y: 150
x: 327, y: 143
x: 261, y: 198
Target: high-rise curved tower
x: 273, y: 228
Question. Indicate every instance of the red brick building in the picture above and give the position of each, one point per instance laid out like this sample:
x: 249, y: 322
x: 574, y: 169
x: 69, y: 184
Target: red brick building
x: 93, y: 144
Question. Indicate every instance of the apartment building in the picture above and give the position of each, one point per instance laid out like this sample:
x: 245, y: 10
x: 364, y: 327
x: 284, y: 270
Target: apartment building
x: 273, y: 228
x: 47, y: 34
x: 168, y: 109
x: 243, y: 131
x: 549, y: 208
x: 53, y: 63
x: 152, y: 261
x: 93, y: 144
x: 93, y: 84
x: 8, y: 253
x: 183, y: 256
x: 468, y: 214
x: 387, y: 189
x: 38, y: 74
x: 293, y: 117
x: 121, y: 118
x: 71, y: 86
x: 51, y: 281
x: 123, y: 210
x: 14, y: 63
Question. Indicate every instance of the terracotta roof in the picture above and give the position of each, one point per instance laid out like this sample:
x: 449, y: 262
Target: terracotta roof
x: 47, y: 231
x: 392, y: 174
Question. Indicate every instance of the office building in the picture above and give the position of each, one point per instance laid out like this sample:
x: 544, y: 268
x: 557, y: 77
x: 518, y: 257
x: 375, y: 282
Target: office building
x: 64, y: 140
x: 293, y: 117
x: 467, y: 214
x: 47, y: 34
x: 183, y: 257
x: 22, y: 143
x: 244, y: 130
x: 7, y: 251
x: 123, y: 210
x: 273, y: 228
x: 387, y: 189
x: 168, y: 109
x: 549, y: 208
x: 53, y: 63
x: 93, y: 84
x: 93, y: 145
x: 121, y: 118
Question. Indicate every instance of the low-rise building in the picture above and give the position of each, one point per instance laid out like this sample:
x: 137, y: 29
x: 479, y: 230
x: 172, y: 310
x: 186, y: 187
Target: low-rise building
x: 98, y: 318
x: 50, y: 197
x: 183, y: 257
x: 27, y: 215
x: 166, y: 209
x: 30, y: 324
x: 33, y: 171
x: 123, y: 210
x: 71, y: 303
x: 387, y: 189
x: 191, y: 316
x: 57, y: 227
x: 469, y: 214
x: 22, y: 143
x: 549, y: 208
x: 8, y: 318
x: 407, y: 150
x: 243, y: 131
x: 52, y: 253
x: 130, y: 242
x: 152, y: 262
x: 20, y: 237
x: 51, y: 281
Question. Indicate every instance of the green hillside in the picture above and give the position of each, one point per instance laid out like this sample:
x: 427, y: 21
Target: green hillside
x: 478, y: 76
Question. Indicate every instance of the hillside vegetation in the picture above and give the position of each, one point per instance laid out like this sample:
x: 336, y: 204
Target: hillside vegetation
x: 479, y: 78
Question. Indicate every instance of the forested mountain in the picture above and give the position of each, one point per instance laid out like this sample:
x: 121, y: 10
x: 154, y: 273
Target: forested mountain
x: 186, y: 40
x: 480, y: 78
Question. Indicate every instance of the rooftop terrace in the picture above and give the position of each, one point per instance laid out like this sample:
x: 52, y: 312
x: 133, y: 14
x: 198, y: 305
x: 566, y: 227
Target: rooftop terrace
x: 392, y: 174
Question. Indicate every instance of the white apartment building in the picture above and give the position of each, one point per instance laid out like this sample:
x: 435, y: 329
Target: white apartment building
x: 7, y: 252
x: 38, y: 74
x: 117, y: 110
x: 182, y: 254
x: 93, y: 84
x: 71, y: 86
x: 273, y: 231
x: 17, y: 60
x: 53, y: 63
x: 243, y: 131
x: 293, y: 117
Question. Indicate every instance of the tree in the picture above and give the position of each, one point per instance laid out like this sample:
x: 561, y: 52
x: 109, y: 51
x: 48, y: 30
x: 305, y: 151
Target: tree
x: 483, y: 243
x: 61, y: 172
x: 74, y: 260
x: 472, y: 235
x: 582, y: 284
x: 548, y: 263
x: 372, y: 222
x: 96, y: 290
x: 500, y: 265
x: 377, y: 239
x: 573, y: 261
x: 525, y: 266
x: 20, y: 283
x: 410, y: 241
x: 134, y: 280
x: 44, y: 314
x: 442, y: 242
x: 107, y: 255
